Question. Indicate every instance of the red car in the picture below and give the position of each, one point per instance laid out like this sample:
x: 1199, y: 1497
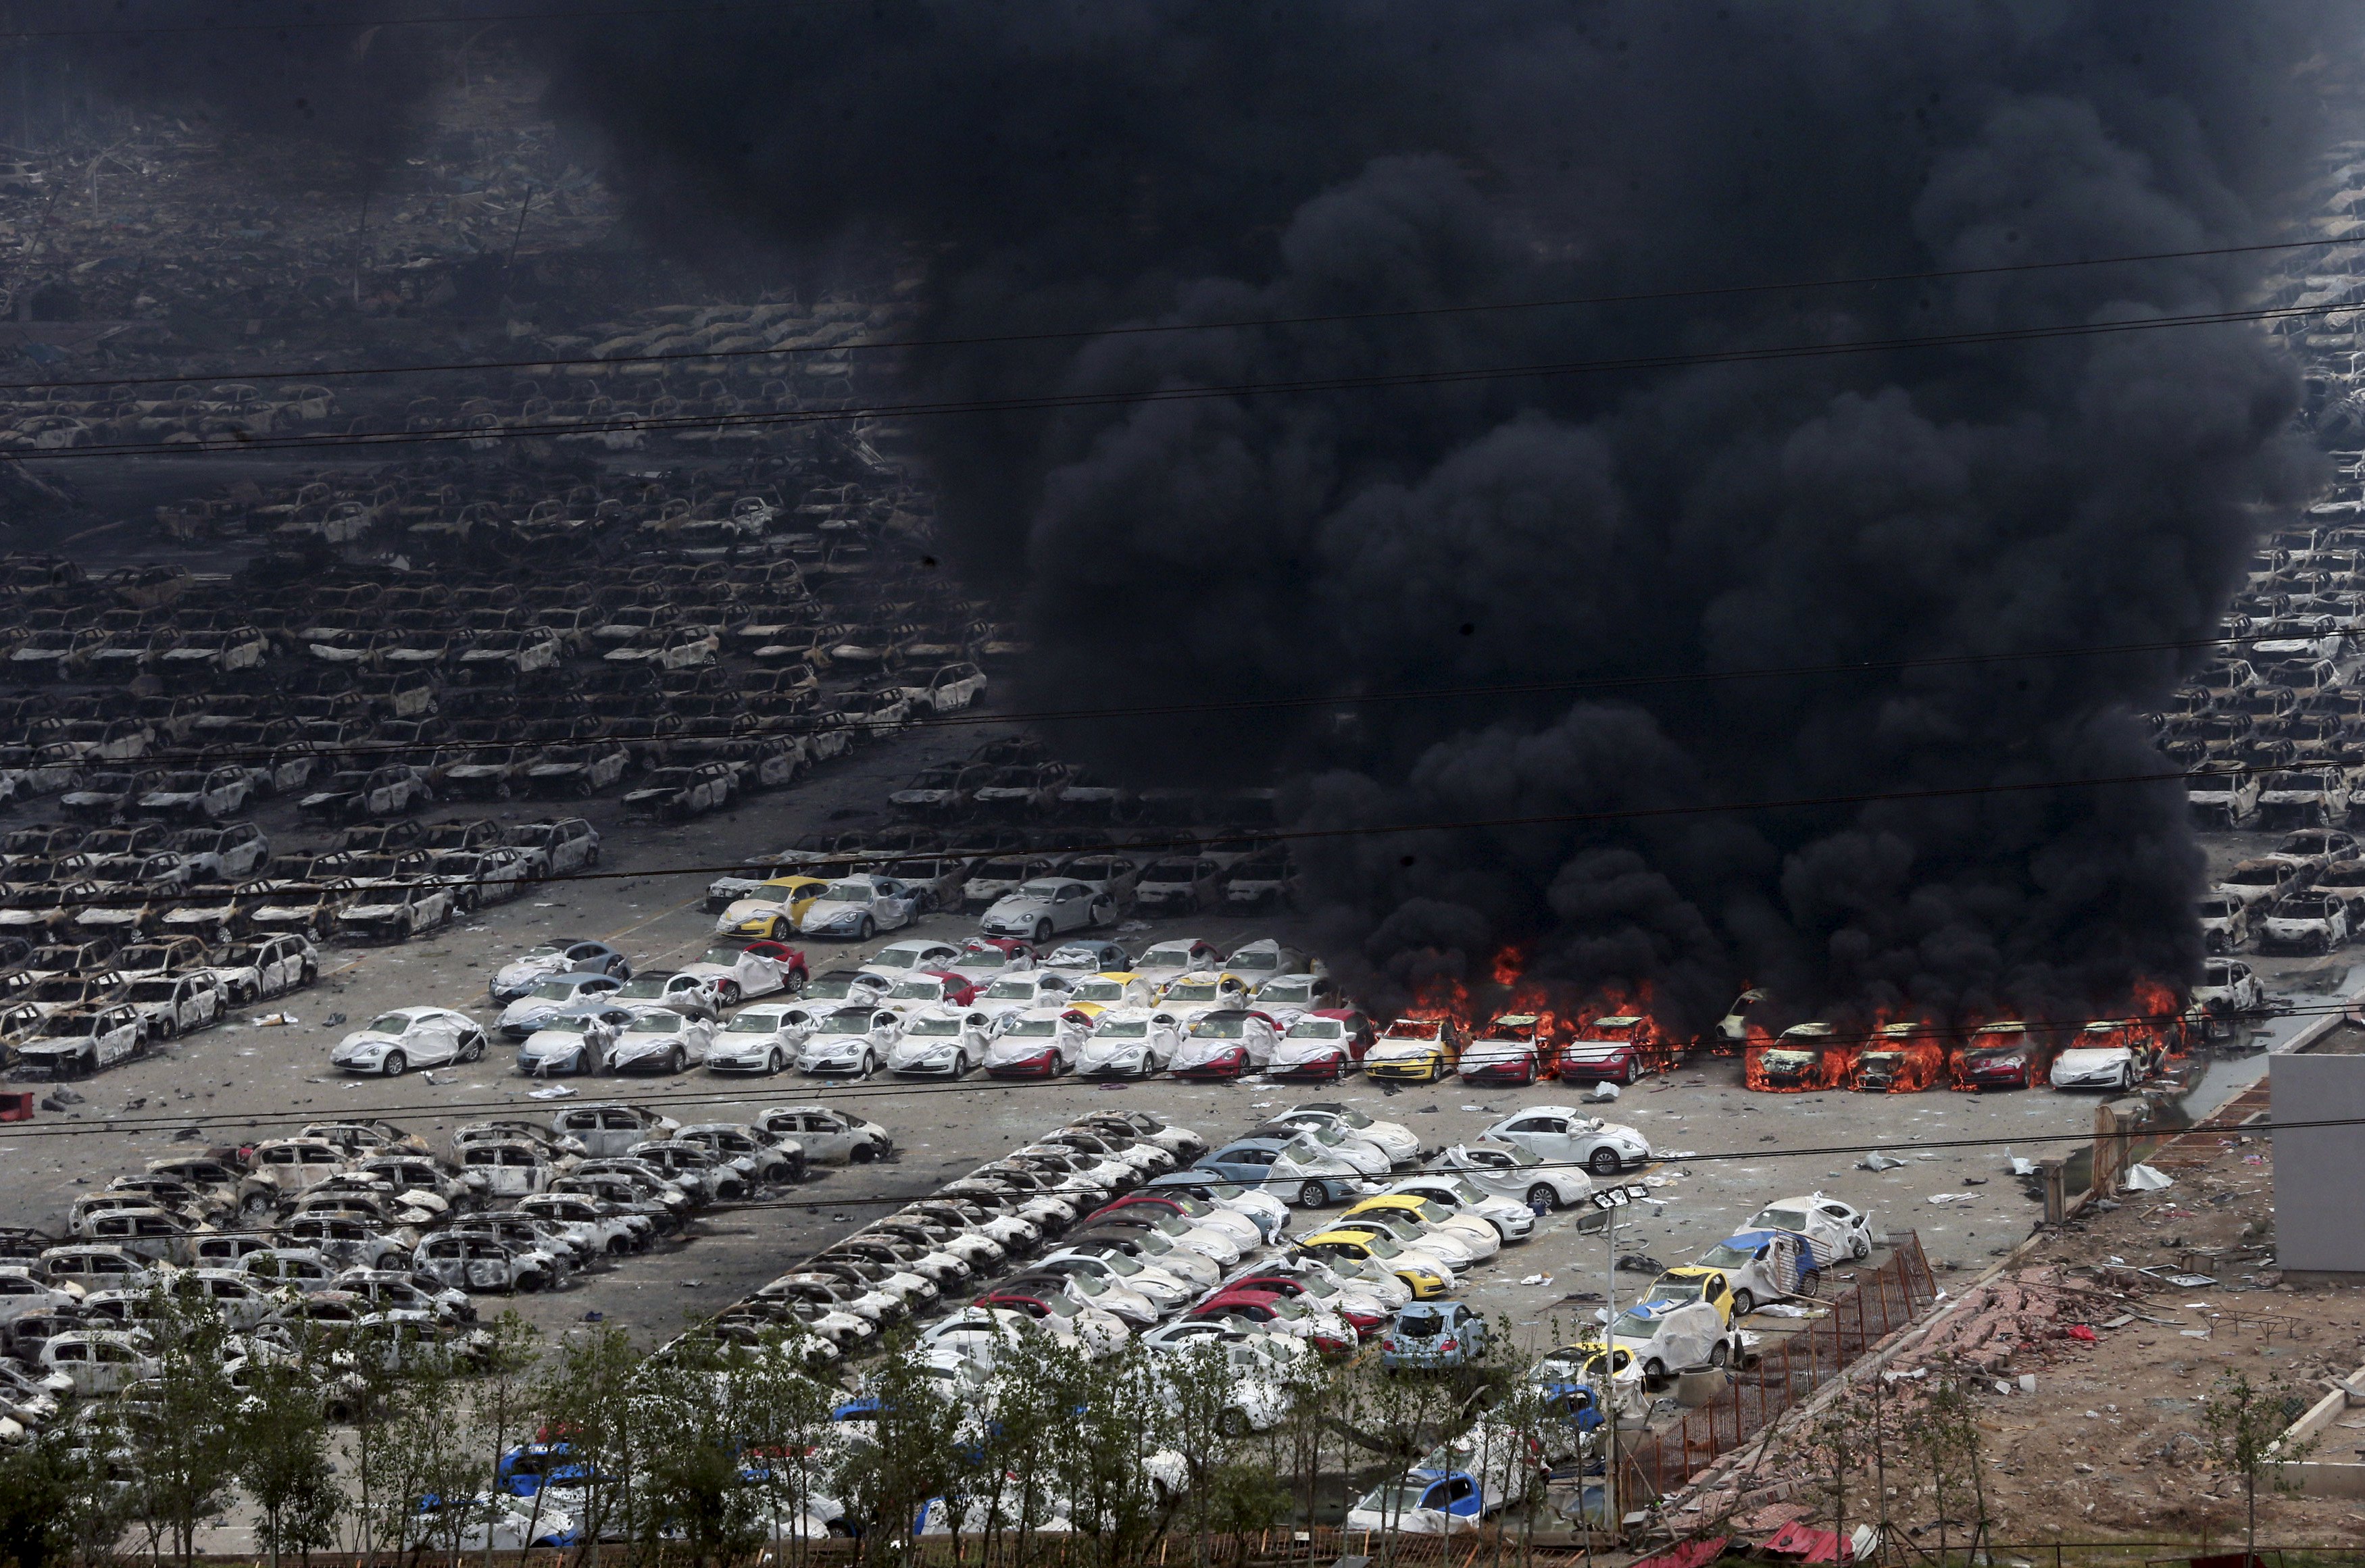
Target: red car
x: 1611, y: 1051
x: 1258, y: 1306
x: 1366, y: 1323
x: 953, y: 988
x: 1996, y: 1066
x: 792, y: 962
x: 1322, y: 1046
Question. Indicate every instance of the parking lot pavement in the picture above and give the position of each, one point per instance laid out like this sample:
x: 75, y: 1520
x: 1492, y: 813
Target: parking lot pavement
x: 269, y: 1078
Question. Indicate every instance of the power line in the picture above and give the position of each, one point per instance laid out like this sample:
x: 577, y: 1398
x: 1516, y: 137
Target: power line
x: 1237, y: 324
x: 1274, y: 836
x: 1543, y: 370
x: 798, y: 724
x: 801, y: 1090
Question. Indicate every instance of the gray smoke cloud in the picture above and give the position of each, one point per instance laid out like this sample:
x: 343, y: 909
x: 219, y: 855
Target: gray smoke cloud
x: 1079, y: 168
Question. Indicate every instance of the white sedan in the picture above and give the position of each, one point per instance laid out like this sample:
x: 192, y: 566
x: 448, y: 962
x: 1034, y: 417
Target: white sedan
x: 577, y: 1040
x: 660, y: 1039
x: 1042, y: 1042
x: 1669, y: 1336
x: 1515, y: 1172
x: 1832, y: 1228
x: 528, y: 968
x: 1563, y: 1134
x: 739, y: 972
x: 941, y: 1042
x: 393, y: 1043
x: 764, y: 1038
x: 551, y: 997
x: 1129, y: 1042
x: 854, y: 1040
x: 1043, y: 908
x: 1398, y: 1141
x: 898, y: 959
x: 859, y: 908
x: 1015, y: 994
x: 1512, y: 1220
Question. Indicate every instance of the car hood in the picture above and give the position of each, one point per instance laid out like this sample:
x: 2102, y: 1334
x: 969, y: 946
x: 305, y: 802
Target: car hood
x: 553, y: 1044
x: 526, y: 972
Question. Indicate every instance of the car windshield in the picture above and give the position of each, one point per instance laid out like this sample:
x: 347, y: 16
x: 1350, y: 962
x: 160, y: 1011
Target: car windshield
x: 928, y: 989
x: 1197, y: 991
x: 1289, y: 989
x: 1395, y: 1502
x: 1412, y: 1029
x: 727, y: 957
x: 845, y: 893
x: 1780, y: 1219
x: 1634, y: 1326
x: 647, y: 987
x: 1249, y: 958
x: 390, y: 1023
x: 1220, y: 1028
x: 756, y: 1023
x: 1099, y: 990
x: 1126, y: 1029
x: 1032, y: 1029
x: 1011, y: 989
x: 1037, y: 893
x: 1171, y: 871
x: 1002, y: 870
x: 1725, y: 1255
x: 576, y: 1025
x: 656, y: 1021
x: 935, y: 1026
x: 554, y: 991
x: 1316, y: 1029
x: 830, y: 988
x: 849, y: 1021
x: 71, y: 1025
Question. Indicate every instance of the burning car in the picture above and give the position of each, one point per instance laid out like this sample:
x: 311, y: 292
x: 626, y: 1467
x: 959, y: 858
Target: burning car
x: 1510, y: 1049
x: 1806, y: 1057
x: 2112, y: 1055
x: 2000, y: 1056
x: 1617, y: 1049
x: 1902, y: 1058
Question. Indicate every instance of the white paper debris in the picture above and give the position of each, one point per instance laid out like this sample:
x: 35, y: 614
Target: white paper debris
x: 2144, y: 1179
x: 555, y: 1092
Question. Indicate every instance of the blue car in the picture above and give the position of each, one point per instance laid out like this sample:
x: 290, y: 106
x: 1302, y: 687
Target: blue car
x: 1427, y: 1335
x: 525, y: 1469
x: 1247, y: 1163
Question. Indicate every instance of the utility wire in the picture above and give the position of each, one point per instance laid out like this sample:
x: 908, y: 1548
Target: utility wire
x: 799, y: 724
x: 1542, y: 370
x: 1237, y: 324
x: 807, y: 1092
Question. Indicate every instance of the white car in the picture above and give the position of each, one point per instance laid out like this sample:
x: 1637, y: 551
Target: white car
x: 268, y: 966
x: 854, y: 1040
x: 941, y: 1042
x: 1187, y: 996
x: 530, y: 968
x: 1129, y: 1042
x: 1762, y: 1266
x: 1012, y: 994
x: 577, y: 1040
x: 1310, y: 1046
x: 1111, y: 989
x: 398, y: 909
x: 2095, y: 1067
x: 684, y: 992
x: 660, y: 1039
x: 1166, y: 961
x: 1366, y: 1158
x: 170, y: 1005
x: 1040, y: 1042
x: 898, y: 960
x: 1666, y: 1336
x: 739, y: 973
x: 1166, y: 1293
x: 1516, y: 1172
x: 859, y: 908
x: 1226, y: 1044
x: 393, y: 1043
x: 1041, y: 909
x: 1512, y: 1220
x: 921, y: 990
x: 1393, y: 1138
x: 551, y: 997
x: 764, y: 1038
x: 827, y: 1137
x: 1563, y: 1134
x: 1835, y: 1229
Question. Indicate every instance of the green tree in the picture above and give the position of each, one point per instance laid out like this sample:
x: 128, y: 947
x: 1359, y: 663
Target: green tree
x: 280, y: 1456
x: 176, y: 1418
x: 501, y: 1398
x: 782, y: 1417
x: 38, y: 1495
x: 586, y: 1399
x: 2245, y: 1422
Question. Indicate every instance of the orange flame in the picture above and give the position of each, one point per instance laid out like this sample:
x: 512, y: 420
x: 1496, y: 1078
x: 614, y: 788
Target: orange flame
x: 1561, y: 1012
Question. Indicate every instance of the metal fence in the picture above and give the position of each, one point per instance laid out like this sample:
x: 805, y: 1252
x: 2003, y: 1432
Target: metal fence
x: 1875, y: 1302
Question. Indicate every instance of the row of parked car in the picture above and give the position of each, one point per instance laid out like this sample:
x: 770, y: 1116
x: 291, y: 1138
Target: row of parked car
x: 2305, y: 895
x: 353, y: 1239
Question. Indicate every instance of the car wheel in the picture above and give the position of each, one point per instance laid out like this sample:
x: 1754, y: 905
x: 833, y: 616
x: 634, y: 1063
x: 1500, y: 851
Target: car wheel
x: 1860, y: 1246
x: 395, y: 1062
x: 861, y: 1154
x: 167, y: 1027
x: 1654, y: 1371
x: 1604, y: 1162
x: 528, y: 1283
x: 1233, y: 1423
x: 730, y: 993
x: 1634, y: 1071
x: 675, y: 1062
x: 1042, y: 931
x: 1313, y: 1196
x: 1718, y: 1354
x: 868, y: 929
x: 772, y: 1065
x: 1543, y: 1198
x: 473, y: 1051
x: 1743, y: 1303
x: 961, y: 1065
x: 869, y: 1064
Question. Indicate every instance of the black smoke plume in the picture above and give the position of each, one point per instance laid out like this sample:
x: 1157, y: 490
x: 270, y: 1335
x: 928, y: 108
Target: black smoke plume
x: 1081, y: 167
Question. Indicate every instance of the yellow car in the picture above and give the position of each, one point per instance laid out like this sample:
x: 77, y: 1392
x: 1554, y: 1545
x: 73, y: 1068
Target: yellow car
x: 1581, y: 1362
x: 772, y: 913
x: 1692, y: 1282
x: 1203, y: 990
x: 1426, y: 1277
x: 1414, y: 1050
x: 1114, y: 988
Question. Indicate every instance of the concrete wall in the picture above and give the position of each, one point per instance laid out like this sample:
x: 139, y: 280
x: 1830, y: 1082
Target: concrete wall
x: 2319, y: 1225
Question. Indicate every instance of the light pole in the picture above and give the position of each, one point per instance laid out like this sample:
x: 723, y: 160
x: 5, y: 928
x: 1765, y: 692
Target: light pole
x: 1609, y: 1200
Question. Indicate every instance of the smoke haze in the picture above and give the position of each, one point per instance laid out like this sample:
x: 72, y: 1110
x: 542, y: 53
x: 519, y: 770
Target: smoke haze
x: 1078, y: 167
